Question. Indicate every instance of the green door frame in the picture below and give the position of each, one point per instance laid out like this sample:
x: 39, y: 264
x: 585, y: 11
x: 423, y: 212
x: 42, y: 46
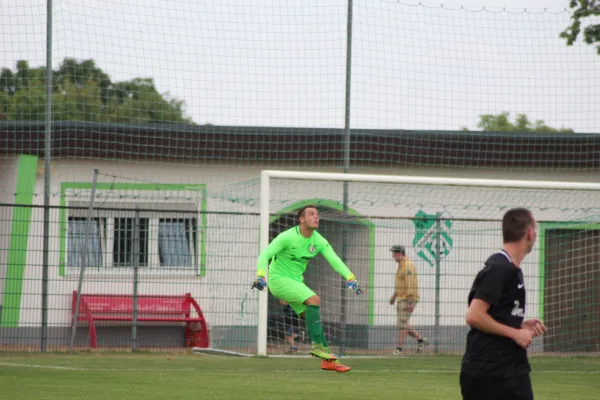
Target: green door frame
x: 542, y: 228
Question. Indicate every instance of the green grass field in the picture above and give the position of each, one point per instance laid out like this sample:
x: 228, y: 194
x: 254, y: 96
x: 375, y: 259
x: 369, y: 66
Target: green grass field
x: 175, y: 376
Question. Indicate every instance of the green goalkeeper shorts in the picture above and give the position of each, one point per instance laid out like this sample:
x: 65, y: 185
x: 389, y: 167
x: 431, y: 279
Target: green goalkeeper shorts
x: 291, y: 291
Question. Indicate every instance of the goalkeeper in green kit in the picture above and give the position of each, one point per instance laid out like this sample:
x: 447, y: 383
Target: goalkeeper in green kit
x: 290, y: 253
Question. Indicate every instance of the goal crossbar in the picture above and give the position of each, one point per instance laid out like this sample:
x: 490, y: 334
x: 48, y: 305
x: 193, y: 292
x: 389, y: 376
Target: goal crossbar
x: 427, y: 180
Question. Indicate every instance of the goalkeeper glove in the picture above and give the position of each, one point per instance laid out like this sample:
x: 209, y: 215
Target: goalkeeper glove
x: 259, y: 283
x: 353, y: 285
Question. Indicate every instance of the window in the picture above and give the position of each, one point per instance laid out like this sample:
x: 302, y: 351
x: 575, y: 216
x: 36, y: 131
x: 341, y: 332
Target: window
x: 128, y: 241
x: 170, y: 234
x: 176, y: 242
x: 116, y: 241
x: 77, y: 243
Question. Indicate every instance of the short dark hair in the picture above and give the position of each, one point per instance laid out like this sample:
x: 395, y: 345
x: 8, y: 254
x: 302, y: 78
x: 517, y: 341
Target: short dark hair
x: 515, y: 223
x: 303, y: 209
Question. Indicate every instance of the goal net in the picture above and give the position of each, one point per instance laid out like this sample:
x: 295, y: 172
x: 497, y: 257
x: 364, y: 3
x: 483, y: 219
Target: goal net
x: 448, y: 227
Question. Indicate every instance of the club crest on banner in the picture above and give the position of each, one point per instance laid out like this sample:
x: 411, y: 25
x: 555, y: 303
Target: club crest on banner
x: 426, y: 236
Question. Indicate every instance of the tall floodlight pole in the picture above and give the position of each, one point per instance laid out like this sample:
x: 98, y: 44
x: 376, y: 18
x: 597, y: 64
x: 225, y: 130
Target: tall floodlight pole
x: 47, y: 160
x: 344, y: 254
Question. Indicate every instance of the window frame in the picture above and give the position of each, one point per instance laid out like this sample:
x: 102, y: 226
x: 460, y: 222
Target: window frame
x: 78, y: 192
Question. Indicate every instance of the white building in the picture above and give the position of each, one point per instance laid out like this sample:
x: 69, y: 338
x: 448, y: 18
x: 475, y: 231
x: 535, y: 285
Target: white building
x: 200, y: 187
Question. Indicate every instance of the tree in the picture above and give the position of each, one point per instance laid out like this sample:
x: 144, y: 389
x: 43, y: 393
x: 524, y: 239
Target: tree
x: 591, y: 33
x: 501, y: 123
x: 83, y: 92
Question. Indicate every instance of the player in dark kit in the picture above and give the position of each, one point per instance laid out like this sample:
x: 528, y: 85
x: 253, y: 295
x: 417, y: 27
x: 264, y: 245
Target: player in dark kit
x: 495, y: 364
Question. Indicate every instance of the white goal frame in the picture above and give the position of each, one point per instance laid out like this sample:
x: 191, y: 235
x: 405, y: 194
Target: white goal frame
x: 265, y: 197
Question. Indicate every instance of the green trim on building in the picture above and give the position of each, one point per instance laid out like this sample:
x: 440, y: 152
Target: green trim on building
x: 542, y: 228
x: 19, y: 237
x: 132, y: 186
x: 541, y: 269
x: 335, y: 205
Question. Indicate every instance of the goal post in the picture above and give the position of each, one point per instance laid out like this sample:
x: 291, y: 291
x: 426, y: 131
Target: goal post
x: 460, y: 228
x: 263, y: 306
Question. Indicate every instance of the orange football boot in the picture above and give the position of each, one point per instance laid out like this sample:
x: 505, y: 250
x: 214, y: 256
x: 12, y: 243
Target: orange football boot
x: 337, y: 366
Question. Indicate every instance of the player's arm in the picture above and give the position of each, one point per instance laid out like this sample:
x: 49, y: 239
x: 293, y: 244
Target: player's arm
x: 488, y: 294
x: 478, y: 318
x: 274, y: 248
x: 535, y: 325
x: 341, y: 268
x: 336, y: 262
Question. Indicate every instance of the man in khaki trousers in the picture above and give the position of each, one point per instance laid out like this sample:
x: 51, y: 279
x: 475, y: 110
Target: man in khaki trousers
x: 406, y: 297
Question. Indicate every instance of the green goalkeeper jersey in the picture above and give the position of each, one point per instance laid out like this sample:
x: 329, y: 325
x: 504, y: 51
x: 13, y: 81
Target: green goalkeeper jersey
x: 290, y: 253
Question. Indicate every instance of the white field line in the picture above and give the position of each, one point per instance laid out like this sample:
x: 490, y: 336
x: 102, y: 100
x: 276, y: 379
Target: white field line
x: 372, y: 371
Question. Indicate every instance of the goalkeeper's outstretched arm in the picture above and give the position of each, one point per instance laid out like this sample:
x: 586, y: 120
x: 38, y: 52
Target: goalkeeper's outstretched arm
x: 264, y: 257
x: 275, y: 247
x: 336, y: 262
x: 341, y: 268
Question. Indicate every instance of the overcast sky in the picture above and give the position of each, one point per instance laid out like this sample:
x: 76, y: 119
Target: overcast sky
x: 282, y: 63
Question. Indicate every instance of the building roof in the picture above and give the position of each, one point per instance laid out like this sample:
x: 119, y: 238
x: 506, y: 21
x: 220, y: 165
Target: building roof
x: 304, y: 146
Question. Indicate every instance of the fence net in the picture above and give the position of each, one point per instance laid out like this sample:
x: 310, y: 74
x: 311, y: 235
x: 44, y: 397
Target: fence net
x: 181, y: 104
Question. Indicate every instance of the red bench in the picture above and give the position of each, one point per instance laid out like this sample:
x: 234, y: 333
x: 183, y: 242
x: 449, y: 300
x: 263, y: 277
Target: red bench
x: 150, y: 308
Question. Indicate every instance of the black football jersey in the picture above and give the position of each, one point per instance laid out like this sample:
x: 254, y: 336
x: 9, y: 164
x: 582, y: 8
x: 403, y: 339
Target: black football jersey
x: 500, y: 284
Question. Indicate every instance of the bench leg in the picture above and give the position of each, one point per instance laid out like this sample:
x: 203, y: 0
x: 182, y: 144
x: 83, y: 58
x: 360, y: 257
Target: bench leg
x: 93, y: 342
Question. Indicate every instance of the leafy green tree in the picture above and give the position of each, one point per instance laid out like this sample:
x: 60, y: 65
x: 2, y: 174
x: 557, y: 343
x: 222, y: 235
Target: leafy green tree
x: 83, y: 92
x: 502, y: 123
x: 584, y: 10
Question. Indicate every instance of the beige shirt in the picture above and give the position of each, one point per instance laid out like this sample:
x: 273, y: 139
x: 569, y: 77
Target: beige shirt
x: 407, y: 284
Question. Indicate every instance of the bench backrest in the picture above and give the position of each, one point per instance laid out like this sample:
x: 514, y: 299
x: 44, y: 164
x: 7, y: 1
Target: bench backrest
x: 122, y: 305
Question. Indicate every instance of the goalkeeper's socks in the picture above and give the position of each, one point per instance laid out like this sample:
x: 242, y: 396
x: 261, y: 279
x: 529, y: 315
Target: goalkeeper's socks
x: 324, y: 339
x: 313, y: 324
